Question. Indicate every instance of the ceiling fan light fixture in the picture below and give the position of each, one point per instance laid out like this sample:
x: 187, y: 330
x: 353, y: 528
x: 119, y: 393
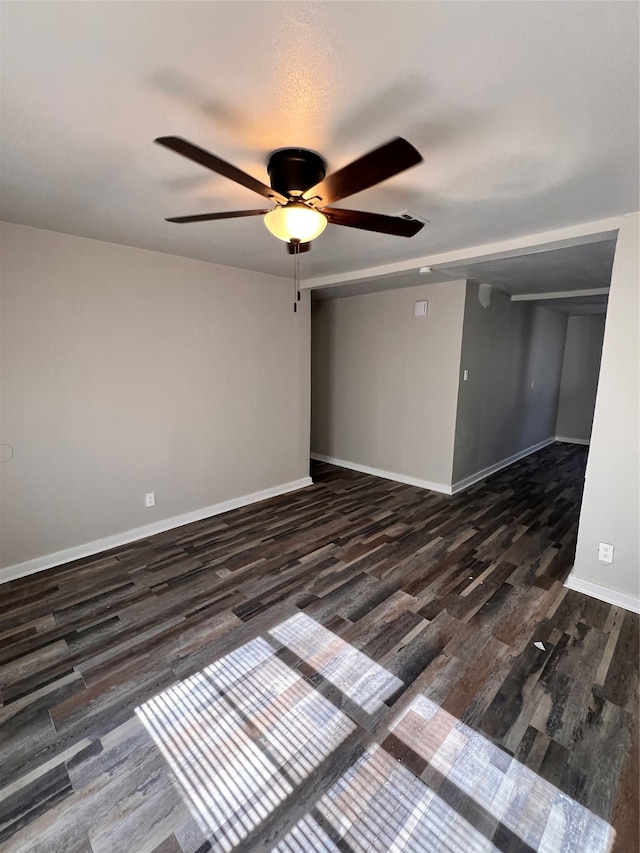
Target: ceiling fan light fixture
x: 295, y: 221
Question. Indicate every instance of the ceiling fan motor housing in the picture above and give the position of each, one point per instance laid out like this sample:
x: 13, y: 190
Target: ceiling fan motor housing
x: 294, y: 170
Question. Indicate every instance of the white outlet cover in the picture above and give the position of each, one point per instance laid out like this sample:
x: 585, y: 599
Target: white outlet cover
x: 421, y: 309
x: 605, y: 552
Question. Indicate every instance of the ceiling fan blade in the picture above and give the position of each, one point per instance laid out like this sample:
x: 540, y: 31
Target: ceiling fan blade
x: 371, y: 169
x: 204, y: 217
x: 302, y: 247
x: 373, y: 221
x: 216, y: 164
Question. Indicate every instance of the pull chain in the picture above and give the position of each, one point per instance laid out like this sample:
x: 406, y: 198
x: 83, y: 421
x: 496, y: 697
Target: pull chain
x: 296, y: 275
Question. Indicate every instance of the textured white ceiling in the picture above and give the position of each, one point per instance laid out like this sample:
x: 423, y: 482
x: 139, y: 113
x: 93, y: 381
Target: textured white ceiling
x: 576, y: 268
x: 526, y: 114
x: 572, y: 268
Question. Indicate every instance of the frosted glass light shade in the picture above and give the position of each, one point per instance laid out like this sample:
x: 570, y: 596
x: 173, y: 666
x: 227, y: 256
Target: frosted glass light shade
x: 295, y: 221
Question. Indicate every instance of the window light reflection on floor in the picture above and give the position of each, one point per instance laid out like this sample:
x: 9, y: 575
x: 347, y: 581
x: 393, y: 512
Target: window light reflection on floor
x: 307, y: 836
x: 360, y: 679
x: 240, y: 735
x: 525, y: 804
x: 380, y: 805
x: 245, y: 732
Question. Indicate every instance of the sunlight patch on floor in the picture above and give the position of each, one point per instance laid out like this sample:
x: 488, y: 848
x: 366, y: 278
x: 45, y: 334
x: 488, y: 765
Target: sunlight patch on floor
x: 240, y: 735
x: 360, y: 679
x: 243, y: 734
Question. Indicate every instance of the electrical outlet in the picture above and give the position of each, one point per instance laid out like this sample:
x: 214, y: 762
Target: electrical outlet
x: 605, y: 553
x: 465, y: 375
x: 150, y: 499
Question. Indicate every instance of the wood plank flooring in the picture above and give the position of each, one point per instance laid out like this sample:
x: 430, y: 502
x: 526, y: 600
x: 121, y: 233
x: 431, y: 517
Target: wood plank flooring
x: 361, y: 665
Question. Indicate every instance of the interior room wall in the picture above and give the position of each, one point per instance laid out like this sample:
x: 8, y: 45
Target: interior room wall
x: 611, y: 505
x: 127, y: 371
x: 385, y: 383
x: 508, y: 405
x: 579, y: 381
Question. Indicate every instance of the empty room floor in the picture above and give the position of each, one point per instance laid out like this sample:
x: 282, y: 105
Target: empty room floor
x: 358, y: 666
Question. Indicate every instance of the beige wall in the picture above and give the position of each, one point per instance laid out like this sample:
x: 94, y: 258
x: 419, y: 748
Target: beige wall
x: 513, y: 352
x: 611, y: 507
x: 579, y: 382
x: 126, y: 371
x: 385, y: 383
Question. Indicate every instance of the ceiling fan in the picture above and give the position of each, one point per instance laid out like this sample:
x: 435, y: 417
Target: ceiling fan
x: 302, y: 192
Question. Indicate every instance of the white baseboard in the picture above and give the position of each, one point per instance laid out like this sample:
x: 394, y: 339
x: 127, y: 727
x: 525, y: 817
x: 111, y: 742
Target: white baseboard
x: 498, y: 466
x: 78, y: 552
x: 572, y: 440
x: 443, y: 488
x: 603, y: 593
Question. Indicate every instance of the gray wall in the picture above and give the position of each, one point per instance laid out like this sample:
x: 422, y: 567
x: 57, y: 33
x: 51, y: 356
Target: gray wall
x: 126, y: 371
x: 579, y: 382
x: 611, y: 506
x: 513, y: 352
x: 385, y: 383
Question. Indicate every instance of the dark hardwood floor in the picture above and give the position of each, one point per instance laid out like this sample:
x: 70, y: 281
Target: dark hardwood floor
x: 361, y: 665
